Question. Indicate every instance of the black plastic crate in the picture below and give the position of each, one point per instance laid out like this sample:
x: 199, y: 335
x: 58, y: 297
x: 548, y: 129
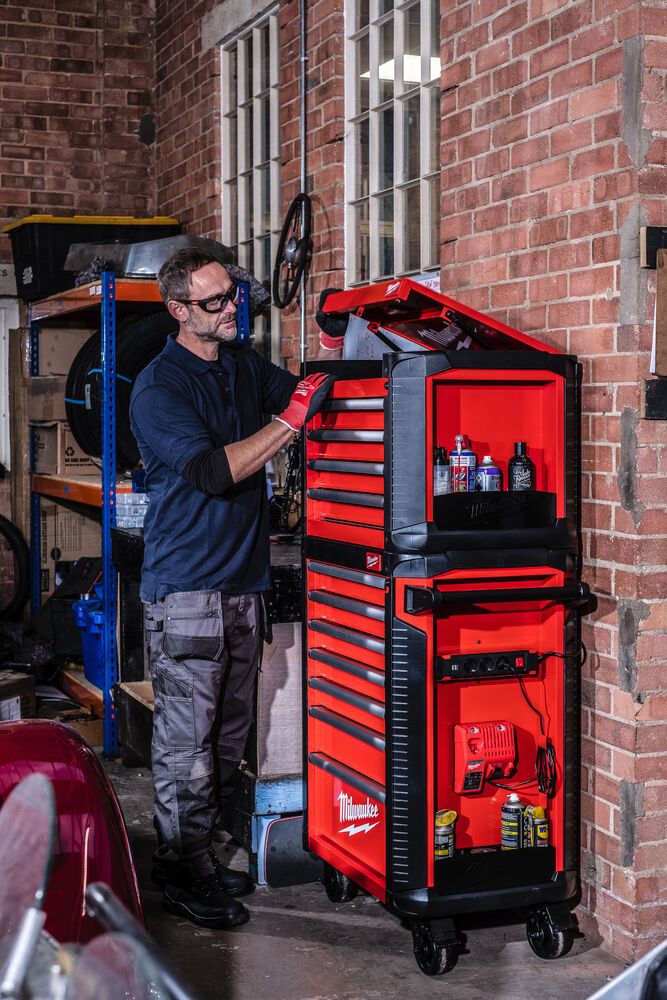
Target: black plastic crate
x: 40, y: 244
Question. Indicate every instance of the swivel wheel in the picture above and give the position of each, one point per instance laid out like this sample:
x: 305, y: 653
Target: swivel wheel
x: 432, y: 958
x: 338, y: 887
x: 546, y: 940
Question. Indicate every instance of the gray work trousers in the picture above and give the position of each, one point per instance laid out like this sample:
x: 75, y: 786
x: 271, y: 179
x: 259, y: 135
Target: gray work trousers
x: 204, y: 650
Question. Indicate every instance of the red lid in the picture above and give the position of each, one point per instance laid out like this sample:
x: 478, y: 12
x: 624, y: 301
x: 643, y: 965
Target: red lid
x: 429, y: 318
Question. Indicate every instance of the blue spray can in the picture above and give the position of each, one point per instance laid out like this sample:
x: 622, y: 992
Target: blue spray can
x: 462, y: 464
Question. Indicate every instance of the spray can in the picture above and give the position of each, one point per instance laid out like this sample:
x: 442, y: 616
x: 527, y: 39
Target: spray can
x: 539, y: 828
x: 444, y: 833
x: 489, y: 478
x: 511, y: 823
x: 441, y: 476
x: 463, y: 463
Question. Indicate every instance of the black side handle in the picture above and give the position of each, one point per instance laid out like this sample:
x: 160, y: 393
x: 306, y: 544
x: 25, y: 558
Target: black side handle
x: 420, y: 600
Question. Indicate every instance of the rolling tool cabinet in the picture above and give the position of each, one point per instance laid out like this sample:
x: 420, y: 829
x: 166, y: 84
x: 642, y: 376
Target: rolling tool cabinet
x: 441, y: 634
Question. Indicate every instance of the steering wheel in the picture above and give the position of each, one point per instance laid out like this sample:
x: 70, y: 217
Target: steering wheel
x: 293, y: 251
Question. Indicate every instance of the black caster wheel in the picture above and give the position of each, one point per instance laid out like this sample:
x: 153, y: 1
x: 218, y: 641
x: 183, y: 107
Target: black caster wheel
x: 338, y: 887
x: 432, y: 958
x: 544, y: 939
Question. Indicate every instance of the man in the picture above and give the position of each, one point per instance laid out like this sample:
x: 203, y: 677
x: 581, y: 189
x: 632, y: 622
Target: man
x: 197, y: 412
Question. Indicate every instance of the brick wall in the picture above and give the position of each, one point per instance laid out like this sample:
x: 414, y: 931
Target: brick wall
x: 553, y: 153
x: 76, y: 119
x: 187, y: 100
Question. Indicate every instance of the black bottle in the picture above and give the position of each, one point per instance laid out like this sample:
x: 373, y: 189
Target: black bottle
x: 520, y: 469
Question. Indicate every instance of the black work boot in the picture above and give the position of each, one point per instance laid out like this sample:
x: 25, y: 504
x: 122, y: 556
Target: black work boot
x: 205, y: 902
x: 168, y: 869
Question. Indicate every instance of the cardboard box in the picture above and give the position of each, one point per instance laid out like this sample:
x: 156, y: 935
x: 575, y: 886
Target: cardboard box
x: 276, y: 746
x: 17, y: 696
x: 57, y: 453
x: 57, y: 348
x: 65, y: 536
x: 46, y: 398
x: 88, y: 726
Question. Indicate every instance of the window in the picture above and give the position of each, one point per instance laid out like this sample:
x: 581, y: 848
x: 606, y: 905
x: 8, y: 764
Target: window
x: 251, y: 220
x: 393, y: 147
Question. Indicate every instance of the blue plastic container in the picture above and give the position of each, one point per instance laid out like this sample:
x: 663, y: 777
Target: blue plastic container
x: 89, y: 616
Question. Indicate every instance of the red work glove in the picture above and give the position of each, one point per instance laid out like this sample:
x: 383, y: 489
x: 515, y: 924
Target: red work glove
x: 333, y: 327
x: 306, y: 400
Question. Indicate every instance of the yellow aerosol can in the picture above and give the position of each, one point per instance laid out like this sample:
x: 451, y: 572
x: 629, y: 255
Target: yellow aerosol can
x: 444, y: 833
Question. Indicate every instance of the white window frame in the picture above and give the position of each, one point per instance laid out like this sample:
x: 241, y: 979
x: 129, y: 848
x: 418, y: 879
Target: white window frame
x: 235, y: 210
x: 429, y: 172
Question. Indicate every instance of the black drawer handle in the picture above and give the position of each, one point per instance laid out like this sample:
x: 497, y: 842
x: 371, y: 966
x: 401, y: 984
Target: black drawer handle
x: 420, y: 600
x: 346, y: 604
x: 365, y: 785
x: 343, y: 725
x: 346, y: 496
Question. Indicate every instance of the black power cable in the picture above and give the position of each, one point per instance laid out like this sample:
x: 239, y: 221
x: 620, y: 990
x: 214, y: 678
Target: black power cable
x: 545, y: 760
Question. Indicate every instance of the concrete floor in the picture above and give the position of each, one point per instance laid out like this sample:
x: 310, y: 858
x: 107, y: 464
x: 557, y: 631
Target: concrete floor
x: 300, y: 946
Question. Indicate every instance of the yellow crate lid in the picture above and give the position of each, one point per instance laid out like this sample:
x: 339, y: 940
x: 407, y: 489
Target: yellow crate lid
x: 87, y: 220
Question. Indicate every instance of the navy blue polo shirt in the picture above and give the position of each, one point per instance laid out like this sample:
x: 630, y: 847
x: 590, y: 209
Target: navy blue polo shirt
x: 181, y: 406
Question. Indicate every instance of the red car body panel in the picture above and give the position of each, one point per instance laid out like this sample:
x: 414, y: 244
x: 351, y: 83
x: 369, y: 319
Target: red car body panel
x: 91, y: 840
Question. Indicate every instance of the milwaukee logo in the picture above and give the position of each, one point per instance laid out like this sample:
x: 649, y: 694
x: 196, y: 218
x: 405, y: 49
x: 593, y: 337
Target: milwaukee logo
x: 350, y: 811
x: 372, y: 560
x: 482, y: 510
x: 393, y: 287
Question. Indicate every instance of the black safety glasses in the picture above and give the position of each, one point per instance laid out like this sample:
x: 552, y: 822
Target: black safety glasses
x: 214, y: 303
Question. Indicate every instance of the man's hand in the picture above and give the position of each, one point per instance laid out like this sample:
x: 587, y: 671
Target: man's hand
x: 306, y: 400
x: 333, y: 327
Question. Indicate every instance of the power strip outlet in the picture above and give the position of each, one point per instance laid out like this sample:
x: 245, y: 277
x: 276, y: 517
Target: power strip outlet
x: 466, y: 667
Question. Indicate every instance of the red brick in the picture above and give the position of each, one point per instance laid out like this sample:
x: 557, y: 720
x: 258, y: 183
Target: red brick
x: 554, y: 286
x: 592, y: 40
x: 564, y: 140
x: 534, y: 93
x: 533, y: 37
x: 596, y: 812
x: 507, y: 241
x: 495, y: 54
x: 593, y: 101
x: 572, y: 79
x: 548, y: 116
x: 525, y: 265
x: 570, y: 256
x: 549, y: 175
x: 532, y: 151
x: 549, y: 231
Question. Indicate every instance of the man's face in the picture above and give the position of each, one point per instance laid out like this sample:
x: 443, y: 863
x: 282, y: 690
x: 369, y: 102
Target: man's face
x: 220, y: 327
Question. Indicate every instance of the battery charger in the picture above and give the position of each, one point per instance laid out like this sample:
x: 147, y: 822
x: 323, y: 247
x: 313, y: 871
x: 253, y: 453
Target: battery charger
x: 482, y: 750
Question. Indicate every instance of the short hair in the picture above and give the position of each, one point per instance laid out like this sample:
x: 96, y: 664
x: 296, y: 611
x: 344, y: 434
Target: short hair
x: 173, y: 278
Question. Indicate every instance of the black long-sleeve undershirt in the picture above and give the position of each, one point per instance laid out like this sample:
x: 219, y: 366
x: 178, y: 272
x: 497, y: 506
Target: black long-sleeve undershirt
x: 209, y: 472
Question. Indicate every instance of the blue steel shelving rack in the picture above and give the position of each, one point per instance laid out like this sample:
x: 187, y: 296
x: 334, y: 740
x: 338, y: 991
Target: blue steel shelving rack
x: 107, y: 286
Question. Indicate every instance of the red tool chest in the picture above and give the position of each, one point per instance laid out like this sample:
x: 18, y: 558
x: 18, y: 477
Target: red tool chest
x: 441, y: 635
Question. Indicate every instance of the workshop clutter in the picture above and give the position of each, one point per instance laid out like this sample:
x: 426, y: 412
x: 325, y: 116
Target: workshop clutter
x: 131, y: 509
x: 40, y: 244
